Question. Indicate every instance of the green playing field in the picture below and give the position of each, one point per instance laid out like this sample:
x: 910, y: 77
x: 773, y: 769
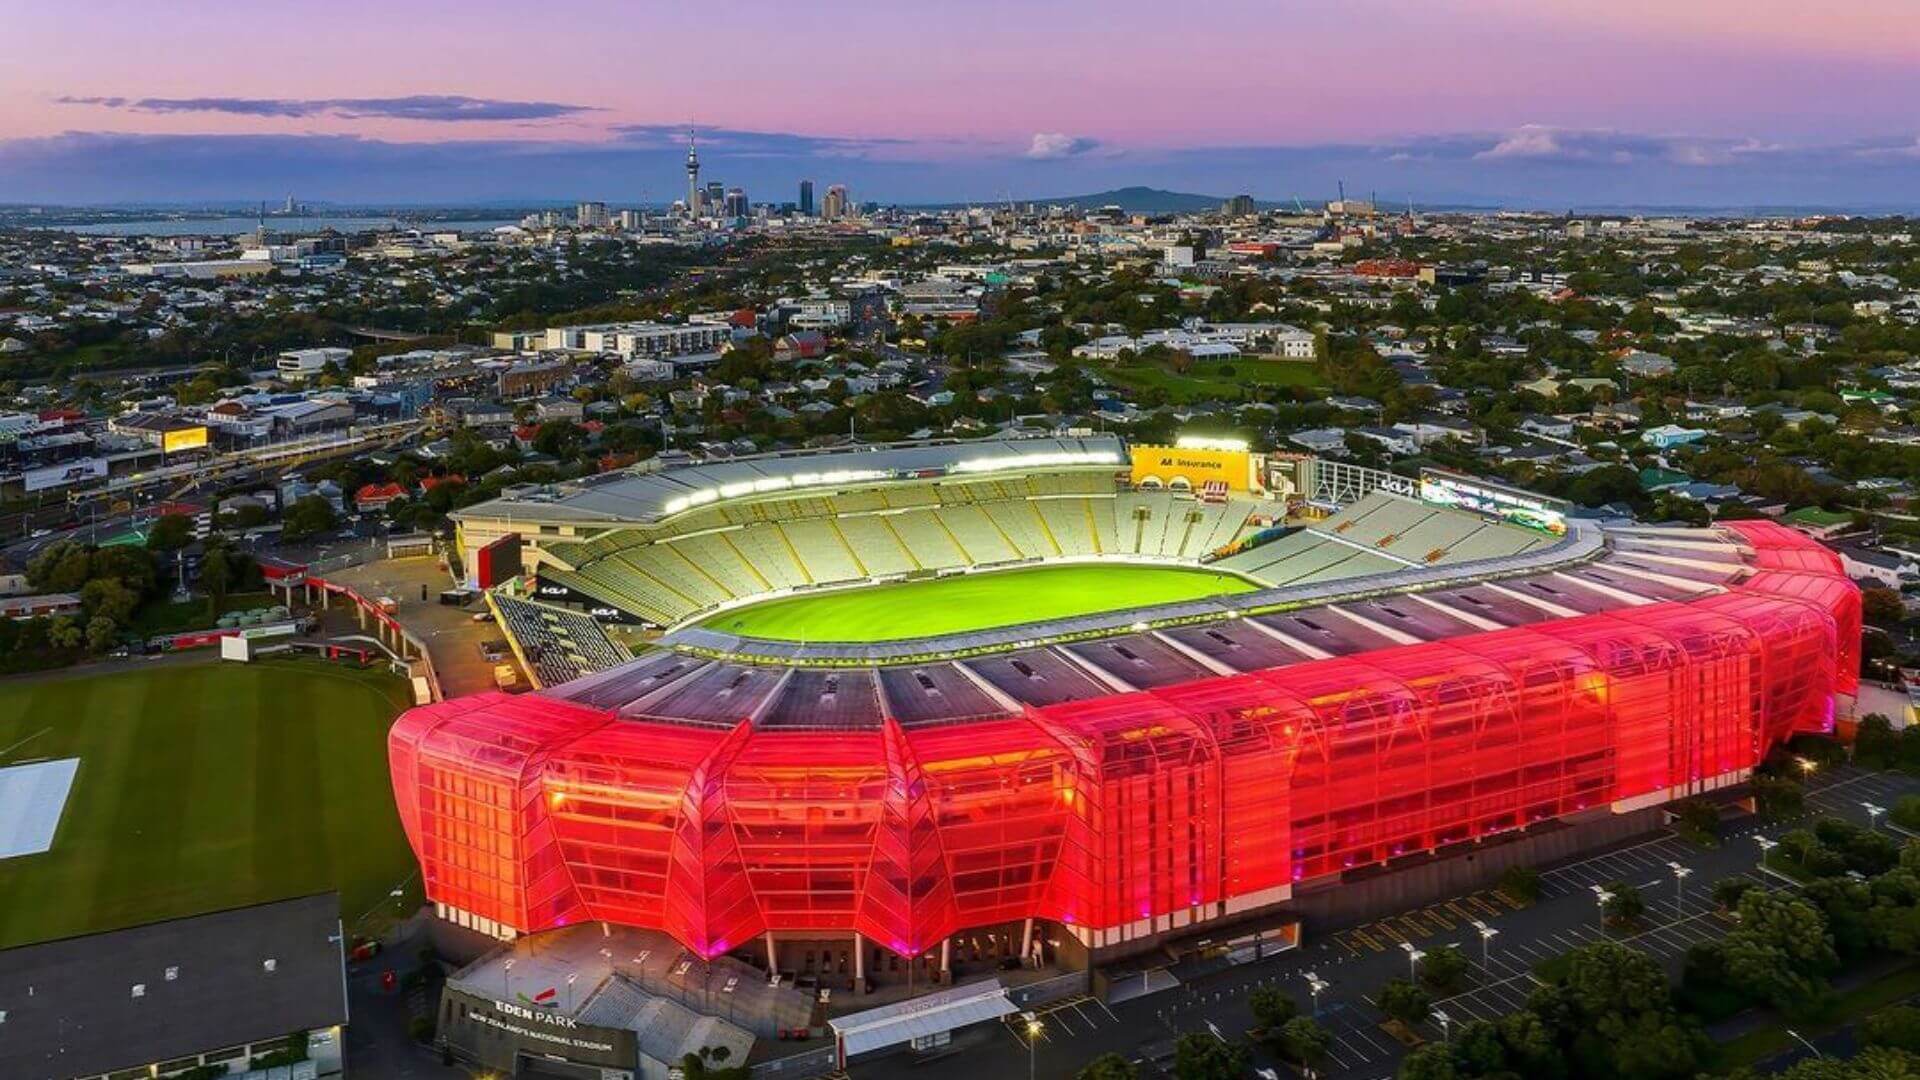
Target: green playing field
x: 205, y: 786
x: 966, y: 602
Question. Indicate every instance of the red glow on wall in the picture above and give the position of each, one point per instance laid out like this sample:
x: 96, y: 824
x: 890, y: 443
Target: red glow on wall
x: 537, y: 812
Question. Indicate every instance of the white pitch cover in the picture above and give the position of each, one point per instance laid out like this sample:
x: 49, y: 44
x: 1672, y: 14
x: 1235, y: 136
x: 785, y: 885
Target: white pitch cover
x: 31, y: 799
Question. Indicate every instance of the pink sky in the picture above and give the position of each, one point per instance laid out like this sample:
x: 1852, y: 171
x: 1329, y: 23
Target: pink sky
x: 989, y: 74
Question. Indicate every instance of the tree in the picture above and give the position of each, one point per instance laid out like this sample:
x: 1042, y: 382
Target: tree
x: 1200, y: 1056
x: 1305, y: 1042
x: 65, y: 632
x: 308, y: 516
x: 1444, y: 970
x: 1609, y: 979
x: 1897, y: 1026
x: 216, y: 575
x: 1272, y: 1008
x: 1657, y: 1045
x: 1728, y: 891
x: 1876, y: 746
x: 1882, y: 607
x: 1431, y: 1062
x: 1521, y: 883
x: 1405, y: 1002
x: 101, y: 633
x: 1626, y: 905
x: 1108, y: 1066
x: 170, y: 533
x: 110, y: 599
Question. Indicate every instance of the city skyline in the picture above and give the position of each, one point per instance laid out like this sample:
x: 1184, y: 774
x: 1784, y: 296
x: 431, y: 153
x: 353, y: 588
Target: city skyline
x: 1460, y: 101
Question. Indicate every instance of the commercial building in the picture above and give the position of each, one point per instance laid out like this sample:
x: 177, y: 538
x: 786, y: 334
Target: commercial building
x: 639, y: 339
x: 299, y: 365
x: 837, y: 204
x: 250, y: 987
x: 806, y: 198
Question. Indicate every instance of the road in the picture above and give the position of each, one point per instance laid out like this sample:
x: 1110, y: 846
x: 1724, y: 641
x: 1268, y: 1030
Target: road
x: 1357, y: 961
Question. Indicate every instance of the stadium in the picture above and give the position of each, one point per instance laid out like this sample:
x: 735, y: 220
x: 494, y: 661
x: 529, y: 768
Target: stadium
x: 876, y: 714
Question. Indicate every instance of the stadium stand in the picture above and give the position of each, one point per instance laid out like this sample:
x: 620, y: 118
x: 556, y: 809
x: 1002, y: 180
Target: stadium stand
x: 558, y: 645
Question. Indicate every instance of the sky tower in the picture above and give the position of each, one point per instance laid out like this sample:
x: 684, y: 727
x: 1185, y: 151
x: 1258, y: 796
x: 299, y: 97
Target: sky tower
x: 693, y: 178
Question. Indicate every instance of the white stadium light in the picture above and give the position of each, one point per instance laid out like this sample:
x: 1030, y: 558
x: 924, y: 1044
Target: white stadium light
x: 1206, y: 442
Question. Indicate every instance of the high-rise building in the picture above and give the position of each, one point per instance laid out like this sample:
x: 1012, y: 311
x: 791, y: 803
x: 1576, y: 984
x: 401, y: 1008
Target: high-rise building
x: 591, y: 215
x: 806, y: 198
x: 693, y: 177
x: 736, y: 203
x: 837, y: 204
x: 713, y: 196
x: 1238, y: 206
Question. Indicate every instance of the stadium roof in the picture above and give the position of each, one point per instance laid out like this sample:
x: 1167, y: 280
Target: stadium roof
x: 640, y: 497
x: 104, y: 1002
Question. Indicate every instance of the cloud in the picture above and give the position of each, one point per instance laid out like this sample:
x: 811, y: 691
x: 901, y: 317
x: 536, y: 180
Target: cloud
x: 645, y: 165
x: 1054, y: 146
x: 734, y: 142
x: 1602, y: 146
x: 438, y: 108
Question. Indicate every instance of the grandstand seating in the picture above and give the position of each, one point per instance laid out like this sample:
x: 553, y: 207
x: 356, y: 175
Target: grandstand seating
x: 559, y: 645
x: 845, y: 537
x: 879, y: 549
x: 1379, y: 533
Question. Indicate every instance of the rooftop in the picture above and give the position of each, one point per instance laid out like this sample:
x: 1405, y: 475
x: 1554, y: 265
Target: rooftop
x: 127, y: 998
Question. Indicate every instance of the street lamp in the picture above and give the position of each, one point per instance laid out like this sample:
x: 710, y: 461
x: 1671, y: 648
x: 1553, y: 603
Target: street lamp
x: 1033, y: 1040
x: 1487, y: 934
x: 1873, y: 814
x: 1807, y: 766
x: 1315, y: 984
x: 1766, y: 852
x: 1414, y: 956
x: 1679, y: 887
x: 1805, y: 1043
x: 1446, y: 1025
x: 1602, y: 898
x: 508, y: 968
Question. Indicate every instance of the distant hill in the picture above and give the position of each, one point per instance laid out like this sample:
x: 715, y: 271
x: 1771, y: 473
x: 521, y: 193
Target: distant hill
x: 1139, y: 198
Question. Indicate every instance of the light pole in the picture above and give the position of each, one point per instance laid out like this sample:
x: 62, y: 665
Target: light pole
x: 1315, y: 984
x: 1807, y: 766
x: 1487, y: 934
x: 1873, y: 814
x: 1679, y: 887
x: 1414, y: 956
x: 508, y: 968
x: 1766, y: 851
x: 1803, y: 1042
x: 1033, y: 1041
x: 1602, y: 898
x: 1446, y: 1025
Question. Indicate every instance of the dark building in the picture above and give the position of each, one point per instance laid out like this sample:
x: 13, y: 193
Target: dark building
x: 806, y: 197
x: 250, y: 986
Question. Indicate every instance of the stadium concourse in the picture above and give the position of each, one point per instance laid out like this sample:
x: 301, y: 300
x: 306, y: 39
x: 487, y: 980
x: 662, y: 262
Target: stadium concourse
x: 1414, y: 671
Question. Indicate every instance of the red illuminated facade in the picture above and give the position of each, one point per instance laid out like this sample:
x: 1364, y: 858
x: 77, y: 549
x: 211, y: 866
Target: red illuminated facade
x: 1127, y: 815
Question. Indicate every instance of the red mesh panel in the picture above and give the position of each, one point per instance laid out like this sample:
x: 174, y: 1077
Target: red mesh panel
x: 1107, y: 812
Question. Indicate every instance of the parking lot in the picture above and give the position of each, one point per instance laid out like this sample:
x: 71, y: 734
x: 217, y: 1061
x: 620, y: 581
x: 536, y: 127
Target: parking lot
x: 1352, y: 964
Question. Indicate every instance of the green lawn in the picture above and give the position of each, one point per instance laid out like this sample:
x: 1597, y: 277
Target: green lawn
x: 966, y: 602
x: 202, y: 787
x: 1214, y: 379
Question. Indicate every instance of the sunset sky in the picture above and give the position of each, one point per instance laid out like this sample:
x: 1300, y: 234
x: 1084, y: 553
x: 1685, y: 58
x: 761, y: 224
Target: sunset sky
x: 1542, y: 103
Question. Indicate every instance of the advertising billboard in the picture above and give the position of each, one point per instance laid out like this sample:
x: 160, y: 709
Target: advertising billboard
x: 191, y: 438
x: 1191, y: 468
x: 65, y: 474
x: 1511, y: 505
